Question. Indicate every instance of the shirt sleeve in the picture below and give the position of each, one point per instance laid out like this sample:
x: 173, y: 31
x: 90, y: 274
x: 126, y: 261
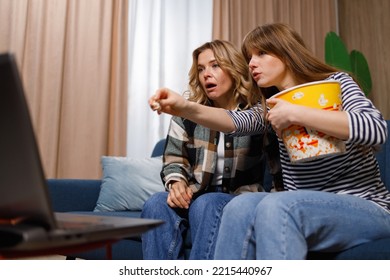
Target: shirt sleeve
x: 175, y: 158
x: 366, y: 124
x: 248, y: 122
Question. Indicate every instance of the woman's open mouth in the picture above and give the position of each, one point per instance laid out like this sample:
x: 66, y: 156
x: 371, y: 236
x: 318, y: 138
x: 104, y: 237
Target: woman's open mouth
x: 210, y: 86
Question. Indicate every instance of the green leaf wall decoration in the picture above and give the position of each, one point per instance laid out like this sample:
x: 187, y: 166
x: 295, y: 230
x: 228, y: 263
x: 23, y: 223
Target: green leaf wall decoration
x: 336, y: 54
x: 361, y: 71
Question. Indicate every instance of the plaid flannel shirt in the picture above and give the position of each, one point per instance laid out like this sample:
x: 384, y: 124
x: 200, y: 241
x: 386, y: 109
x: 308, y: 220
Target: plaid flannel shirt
x: 191, y: 154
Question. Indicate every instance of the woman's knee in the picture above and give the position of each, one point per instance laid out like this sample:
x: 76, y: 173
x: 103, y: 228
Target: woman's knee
x: 243, y: 203
x: 292, y: 203
x: 210, y: 200
x: 155, y: 204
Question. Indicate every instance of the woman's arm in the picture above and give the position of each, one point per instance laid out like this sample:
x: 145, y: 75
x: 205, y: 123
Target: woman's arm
x: 168, y: 101
x: 176, y: 165
x: 283, y: 114
x: 359, y: 122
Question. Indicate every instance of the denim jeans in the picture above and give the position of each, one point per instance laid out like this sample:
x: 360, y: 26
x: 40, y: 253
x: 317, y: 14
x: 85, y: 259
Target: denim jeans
x: 286, y: 225
x: 202, y: 219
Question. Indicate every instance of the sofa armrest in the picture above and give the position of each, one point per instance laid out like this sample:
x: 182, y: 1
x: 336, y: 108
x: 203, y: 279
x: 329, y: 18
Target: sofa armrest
x: 69, y: 195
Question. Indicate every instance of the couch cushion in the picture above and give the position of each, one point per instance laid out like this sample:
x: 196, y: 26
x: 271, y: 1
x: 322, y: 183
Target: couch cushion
x: 128, y: 182
x: 73, y: 194
x: 126, y: 214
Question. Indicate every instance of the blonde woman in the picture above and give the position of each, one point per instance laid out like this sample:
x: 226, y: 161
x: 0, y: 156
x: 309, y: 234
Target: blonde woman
x: 204, y: 169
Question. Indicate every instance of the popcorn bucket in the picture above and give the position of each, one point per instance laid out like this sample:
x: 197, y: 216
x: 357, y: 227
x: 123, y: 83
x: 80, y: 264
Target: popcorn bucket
x: 302, y: 143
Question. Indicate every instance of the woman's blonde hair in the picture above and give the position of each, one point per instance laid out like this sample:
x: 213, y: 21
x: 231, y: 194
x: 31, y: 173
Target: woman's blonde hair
x: 234, y: 64
x: 285, y: 43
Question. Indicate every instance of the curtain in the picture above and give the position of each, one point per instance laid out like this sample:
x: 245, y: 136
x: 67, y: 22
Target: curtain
x: 233, y: 19
x: 72, y: 56
x: 162, y: 36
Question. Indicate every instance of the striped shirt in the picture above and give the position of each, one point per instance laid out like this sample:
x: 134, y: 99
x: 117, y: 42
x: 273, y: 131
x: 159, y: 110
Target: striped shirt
x: 354, y: 172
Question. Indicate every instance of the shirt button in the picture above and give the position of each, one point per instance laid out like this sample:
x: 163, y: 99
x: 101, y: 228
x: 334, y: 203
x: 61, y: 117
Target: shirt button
x: 228, y: 144
x: 227, y: 169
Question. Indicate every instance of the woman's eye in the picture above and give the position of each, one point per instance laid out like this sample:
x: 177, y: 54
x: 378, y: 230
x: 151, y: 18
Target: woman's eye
x: 262, y: 52
x: 215, y: 65
x: 200, y: 70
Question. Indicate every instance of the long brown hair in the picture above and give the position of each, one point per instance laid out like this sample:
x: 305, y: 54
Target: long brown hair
x: 285, y: 43
x: 231, y: 60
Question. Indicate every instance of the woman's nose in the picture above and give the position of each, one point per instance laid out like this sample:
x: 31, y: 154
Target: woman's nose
x: 206, y: 72
x: 252, y: 64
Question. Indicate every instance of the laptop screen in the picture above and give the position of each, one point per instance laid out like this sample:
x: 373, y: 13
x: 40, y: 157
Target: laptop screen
x: 23, y: 191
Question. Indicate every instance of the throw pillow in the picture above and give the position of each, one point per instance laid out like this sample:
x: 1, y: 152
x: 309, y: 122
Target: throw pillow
x: 128, y: 182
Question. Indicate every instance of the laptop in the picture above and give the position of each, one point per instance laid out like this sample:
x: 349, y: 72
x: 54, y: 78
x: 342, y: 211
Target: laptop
x: 27, y: 221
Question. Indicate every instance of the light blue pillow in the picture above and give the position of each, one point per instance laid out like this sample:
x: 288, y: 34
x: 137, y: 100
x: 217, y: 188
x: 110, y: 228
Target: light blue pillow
x: 128, y: 182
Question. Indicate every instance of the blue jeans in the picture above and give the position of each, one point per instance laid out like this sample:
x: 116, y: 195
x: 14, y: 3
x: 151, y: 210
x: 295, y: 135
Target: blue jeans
x: 202, y: 219
x: 286, y: 225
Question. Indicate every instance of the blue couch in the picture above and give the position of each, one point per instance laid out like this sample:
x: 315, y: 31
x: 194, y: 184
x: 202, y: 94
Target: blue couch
x: 77, y: 195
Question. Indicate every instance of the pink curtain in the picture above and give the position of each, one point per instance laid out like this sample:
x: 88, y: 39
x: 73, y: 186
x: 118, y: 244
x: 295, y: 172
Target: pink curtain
x: 73, y: 59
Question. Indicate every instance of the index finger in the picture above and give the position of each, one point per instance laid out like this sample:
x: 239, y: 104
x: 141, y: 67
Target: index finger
x: 154, y: 100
